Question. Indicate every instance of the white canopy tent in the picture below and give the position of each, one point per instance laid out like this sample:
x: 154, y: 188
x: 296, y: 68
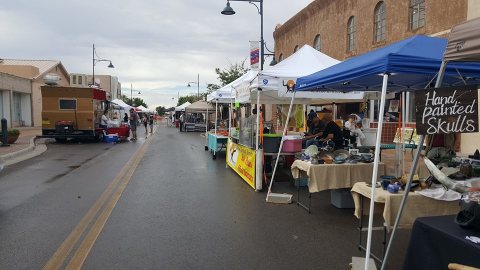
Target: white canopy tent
x: 122, y: 104
x: 143, y: 109
x: 182, y: 107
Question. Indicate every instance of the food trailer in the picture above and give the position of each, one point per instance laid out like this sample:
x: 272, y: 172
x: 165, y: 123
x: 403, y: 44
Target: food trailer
x: 72, y: 112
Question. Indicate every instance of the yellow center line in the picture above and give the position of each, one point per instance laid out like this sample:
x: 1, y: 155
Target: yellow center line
x: 58, y: 258
x: 85, y: 247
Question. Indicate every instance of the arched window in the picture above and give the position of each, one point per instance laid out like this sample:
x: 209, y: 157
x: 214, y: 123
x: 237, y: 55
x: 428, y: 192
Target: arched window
x: 317, y: 45
x: 417, y: 14
x: 380, y: 21
x: 351, y: 34
x: 280, y: 58
x: 295, y: 49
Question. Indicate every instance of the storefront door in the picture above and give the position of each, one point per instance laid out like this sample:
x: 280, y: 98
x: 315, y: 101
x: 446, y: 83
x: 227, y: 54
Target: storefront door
x: 17, y: 110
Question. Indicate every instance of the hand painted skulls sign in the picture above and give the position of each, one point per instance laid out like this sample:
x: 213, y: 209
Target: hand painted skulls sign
x: 447, y: 110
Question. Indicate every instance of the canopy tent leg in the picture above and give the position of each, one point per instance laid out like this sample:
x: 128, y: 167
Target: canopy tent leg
x: 375, y: 170
x: 258, y: 151
x: 404, y: 120
x: 278, y: 157
x: 206, y: 130
x: 438, y: 83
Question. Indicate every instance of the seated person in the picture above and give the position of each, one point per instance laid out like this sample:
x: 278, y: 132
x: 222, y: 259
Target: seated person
x: 315, y: 129
x: 332, y: 132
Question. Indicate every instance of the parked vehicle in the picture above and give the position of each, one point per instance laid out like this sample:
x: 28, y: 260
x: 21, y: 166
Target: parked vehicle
x: 72, y: 112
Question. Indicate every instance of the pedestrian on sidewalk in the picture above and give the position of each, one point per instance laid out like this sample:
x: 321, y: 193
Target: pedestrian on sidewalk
x: 150, y: 122
x: 133, y: 123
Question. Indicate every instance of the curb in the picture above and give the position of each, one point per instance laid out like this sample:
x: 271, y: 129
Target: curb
x: 23, y: 154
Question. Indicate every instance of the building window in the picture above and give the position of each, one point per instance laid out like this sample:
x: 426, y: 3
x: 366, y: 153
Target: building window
x: 74, y: 79
x: 417, y: 14
x: 80, y: 81
x: 380, y: 21
x: 317, y: 43
x: 351, y: 34
x: 295, y: 49
x: 280, y: 58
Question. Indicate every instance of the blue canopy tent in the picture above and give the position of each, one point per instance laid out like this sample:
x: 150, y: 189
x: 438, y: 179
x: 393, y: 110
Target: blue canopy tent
x: 411, y: 65
x: 407, y: 65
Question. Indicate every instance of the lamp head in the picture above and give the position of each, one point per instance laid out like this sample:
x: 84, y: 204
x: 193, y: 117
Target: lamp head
x: 188, y: 85
x: 139, y: 93
x: 110, y: 65
x: 273, y: 62
x: 228, y: 10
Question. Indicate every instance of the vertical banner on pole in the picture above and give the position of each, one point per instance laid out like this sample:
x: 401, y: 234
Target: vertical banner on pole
x: 254, y: 55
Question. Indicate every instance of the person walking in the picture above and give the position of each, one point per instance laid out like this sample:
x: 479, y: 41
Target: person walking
x: 150, y: 122
x: 181, y: 121
x: 133, y: 124
x: 145, y: 123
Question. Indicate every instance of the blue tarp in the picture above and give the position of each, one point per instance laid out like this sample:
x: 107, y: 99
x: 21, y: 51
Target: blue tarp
x: 412, y: 63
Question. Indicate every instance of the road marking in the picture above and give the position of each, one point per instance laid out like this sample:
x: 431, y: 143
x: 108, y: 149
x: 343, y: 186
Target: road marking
x: 59, y: 257
x: 85, y: 247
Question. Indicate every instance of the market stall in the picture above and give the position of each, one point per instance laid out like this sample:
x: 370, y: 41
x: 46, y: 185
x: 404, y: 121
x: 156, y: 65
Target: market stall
x: 411, y: 64
x: 217, y: 139
x: 178, y: 110
x: 117, y: 126
x: 196, y: 115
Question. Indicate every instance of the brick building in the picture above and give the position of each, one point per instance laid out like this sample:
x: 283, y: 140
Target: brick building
x: 346, y: 28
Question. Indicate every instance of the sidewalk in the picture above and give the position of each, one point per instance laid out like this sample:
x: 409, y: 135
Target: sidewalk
x: 24, y: 144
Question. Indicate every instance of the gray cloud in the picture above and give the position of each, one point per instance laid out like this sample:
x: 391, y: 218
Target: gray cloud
x: 158, y: 46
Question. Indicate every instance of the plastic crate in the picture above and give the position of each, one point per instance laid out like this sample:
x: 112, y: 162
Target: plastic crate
x: 342, y: 198
x: 292, y: 146
x: 300, y: 182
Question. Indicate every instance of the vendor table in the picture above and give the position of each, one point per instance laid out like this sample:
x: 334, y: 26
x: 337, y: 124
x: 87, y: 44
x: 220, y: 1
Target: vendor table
x: 437, y: 241
x: 216, y: 142
x: 332, y: 176
x: 416, y: 206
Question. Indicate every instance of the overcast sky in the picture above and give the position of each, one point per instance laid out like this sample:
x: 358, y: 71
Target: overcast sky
x: 156, y: 45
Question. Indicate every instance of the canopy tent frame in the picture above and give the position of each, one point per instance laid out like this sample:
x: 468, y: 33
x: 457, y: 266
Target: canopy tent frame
x: 395, y: 62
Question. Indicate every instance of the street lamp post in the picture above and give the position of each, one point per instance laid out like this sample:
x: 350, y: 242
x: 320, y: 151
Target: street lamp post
x: 198, y: 85
x: 95, y: 61
x: 228, y: 10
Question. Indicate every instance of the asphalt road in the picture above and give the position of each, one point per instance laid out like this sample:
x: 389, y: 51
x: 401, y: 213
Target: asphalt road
x: 161, y: 203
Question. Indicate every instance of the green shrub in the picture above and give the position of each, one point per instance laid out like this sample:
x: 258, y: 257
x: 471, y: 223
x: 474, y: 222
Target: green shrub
x: 13, y: 132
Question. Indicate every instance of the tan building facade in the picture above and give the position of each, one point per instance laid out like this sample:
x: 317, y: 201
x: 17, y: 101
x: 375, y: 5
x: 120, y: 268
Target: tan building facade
x: 35, y: 71
x: 108, y: 83
x: 15, y: 100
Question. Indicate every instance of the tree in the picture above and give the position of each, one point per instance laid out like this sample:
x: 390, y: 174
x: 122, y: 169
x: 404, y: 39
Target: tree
x: 190, y: 98
x: 136, y: 101
x: 160, y: 110
x: 230, y: 74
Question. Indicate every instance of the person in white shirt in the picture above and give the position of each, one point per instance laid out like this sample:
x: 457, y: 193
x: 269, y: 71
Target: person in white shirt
x: 104, y: 120
x: 181, y: 121
x: 353, y: 124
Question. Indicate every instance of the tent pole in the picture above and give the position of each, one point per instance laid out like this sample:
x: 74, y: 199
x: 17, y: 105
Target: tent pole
x: 281, y: 143
x: 375, y: 169
x: 438, y: 83
x: 403, y: 132
x: 206, y: 130
x: 216, y: 115
x: 258, y: 152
